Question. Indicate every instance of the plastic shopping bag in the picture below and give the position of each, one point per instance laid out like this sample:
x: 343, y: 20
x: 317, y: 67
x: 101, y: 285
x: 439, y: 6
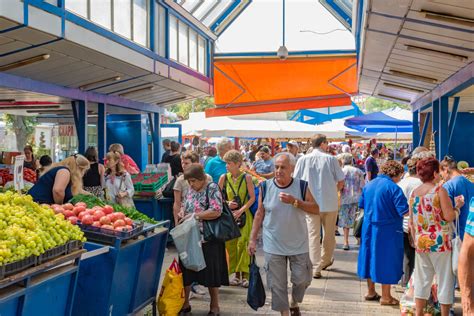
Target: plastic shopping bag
x: 256, y: 291
x: 187, y: 239
x: 457, y: 244
x: 171, y: 297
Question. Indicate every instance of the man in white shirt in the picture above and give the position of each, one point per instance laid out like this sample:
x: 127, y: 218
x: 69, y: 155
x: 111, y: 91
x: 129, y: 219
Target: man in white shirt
x: 294, y: 149
x: 325, y: 178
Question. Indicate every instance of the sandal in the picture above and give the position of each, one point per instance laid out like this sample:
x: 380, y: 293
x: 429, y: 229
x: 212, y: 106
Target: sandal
x: 375, y: 297
x: 185, y: 311
x: 391, y: 302
x: 235, y: 282
x: 295, y: 311
x: 245, y: 283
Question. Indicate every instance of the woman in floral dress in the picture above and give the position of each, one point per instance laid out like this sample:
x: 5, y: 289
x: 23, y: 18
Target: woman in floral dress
x: 431, y: 212
x: 204, y: 202
x: 353, y: 184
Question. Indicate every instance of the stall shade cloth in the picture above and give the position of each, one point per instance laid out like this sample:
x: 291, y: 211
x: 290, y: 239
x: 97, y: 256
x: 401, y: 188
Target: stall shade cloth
x: 388, y: 121
x: 198, y: 124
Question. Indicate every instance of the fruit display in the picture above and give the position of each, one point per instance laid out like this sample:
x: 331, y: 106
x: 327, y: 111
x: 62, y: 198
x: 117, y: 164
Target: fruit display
x: 104, y: 217
x: 29, y: 229
x: 130, y: 212
x: 5, y: 175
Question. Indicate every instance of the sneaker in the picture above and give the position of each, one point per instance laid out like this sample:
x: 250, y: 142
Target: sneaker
x: 197, y: 289
x: 317, y: 275
x: 346, y: 247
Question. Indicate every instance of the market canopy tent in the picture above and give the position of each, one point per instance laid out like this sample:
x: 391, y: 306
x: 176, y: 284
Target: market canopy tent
x: 395, y: 120
x: 250, y: 85
x: 199, y: 125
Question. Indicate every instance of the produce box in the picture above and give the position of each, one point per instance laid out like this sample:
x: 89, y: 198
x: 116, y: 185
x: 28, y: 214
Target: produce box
x: 33, y: 261
x: 146, y: 184
x: 108, y: 237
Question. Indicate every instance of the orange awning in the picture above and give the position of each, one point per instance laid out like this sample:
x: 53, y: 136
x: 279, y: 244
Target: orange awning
x: 246, y: 86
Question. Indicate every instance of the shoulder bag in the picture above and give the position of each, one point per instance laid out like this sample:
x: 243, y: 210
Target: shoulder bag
x: 243, y: 218
x: 223, y: 228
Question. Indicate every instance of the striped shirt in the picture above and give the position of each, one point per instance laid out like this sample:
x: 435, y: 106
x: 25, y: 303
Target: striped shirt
x: 470, y: 219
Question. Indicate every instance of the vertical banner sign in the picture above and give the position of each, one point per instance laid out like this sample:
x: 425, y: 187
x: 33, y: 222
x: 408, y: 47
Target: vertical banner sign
x: 18, y: 173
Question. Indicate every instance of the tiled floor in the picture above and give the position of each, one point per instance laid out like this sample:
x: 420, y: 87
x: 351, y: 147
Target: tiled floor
x: 338, y: 292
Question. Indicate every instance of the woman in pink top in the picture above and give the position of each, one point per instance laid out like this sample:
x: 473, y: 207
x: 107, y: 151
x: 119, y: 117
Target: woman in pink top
x: 130, y: 165
x: 431, y: 212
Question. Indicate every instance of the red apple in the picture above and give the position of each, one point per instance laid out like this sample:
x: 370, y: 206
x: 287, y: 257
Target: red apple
x: 108, y: 209
x: 73, y: 220
x: 87, y: 220
x: 68, y: 213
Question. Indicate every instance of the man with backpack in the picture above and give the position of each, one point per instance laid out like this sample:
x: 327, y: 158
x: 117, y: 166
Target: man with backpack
x: 284, y: 202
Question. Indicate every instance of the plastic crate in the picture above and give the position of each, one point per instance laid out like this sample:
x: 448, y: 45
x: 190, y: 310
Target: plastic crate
x: 108, y: 236
x: 17, y: 266
x: 53, y: 253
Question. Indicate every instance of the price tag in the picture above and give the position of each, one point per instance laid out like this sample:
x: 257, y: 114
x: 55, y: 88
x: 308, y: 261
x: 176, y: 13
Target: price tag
x: 18, y: 173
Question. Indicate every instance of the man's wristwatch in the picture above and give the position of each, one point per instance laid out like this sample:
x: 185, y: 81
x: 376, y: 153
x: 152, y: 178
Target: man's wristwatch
x: 295, y: 203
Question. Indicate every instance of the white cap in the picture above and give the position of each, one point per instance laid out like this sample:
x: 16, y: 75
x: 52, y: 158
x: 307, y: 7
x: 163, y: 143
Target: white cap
x: 293, y: 143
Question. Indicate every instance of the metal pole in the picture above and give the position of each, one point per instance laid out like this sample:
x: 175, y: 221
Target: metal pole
x: 395, y: 149
x: 283, y: 23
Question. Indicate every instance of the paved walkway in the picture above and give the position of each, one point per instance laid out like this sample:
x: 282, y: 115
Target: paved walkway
x: 338, y: 292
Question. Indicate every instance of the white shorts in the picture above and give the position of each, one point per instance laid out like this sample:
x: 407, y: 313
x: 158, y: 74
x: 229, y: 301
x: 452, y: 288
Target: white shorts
x: 429, y: 265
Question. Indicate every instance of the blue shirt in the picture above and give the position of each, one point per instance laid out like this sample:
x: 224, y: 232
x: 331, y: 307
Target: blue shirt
x: 371, y: 166
x: 264, y: 166
x: 470, y: 219
x: 461, y: 186
x: 216, y: 167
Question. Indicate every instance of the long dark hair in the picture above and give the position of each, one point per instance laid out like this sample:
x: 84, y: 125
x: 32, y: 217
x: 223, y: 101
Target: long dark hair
x: 28, y: 147
x: 91, y: 154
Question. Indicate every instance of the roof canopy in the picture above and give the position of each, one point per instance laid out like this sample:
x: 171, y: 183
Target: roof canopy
x: 388, y: 121
x: 245, y: 86
x: 198, y: 124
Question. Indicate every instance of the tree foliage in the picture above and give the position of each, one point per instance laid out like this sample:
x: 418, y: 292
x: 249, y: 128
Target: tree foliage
x: 197, y: 105
x: 372, y: 104
x: 22, y: 126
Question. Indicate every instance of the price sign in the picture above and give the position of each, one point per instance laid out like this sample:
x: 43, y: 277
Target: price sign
x: 18, y: 173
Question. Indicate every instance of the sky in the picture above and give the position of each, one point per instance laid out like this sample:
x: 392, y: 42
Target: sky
x: 259, y: 28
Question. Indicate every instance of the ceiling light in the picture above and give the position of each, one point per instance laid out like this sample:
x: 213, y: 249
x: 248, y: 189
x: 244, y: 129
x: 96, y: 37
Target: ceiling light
x: 24, y: 62
x: 7, y: 100
x: 413, y: 76
x: 85, y: 86
x: 150, y: 88
x: 394, y: 98
x: 448, y: 18
x: 434, y: 52
x: 396, y: 86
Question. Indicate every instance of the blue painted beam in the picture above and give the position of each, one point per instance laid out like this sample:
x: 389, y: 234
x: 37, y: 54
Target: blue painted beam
x: 416, y: 128
x: 452, y: 119
x: 156, y: 136
x: 21, y: 83
x: 102, y: 130
x: 435, y: 124
x: 180, y: 130
x: 80, y: 118
x: 443, y: 136
x: 292, y: 53
x: 425, y: 129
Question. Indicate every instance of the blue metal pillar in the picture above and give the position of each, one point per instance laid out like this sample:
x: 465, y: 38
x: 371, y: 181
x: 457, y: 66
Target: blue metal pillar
x: 156, y: 136
x: 425, y: 129
x: 416, y: 128
x: 452, y: 119
x: 443, y: 136
x: 435, y: 124
x: 80, y: 119
x: 102, y: 130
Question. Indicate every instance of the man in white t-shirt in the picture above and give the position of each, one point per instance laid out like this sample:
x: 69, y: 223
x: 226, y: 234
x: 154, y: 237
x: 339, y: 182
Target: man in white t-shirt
x: 408, y: 184
x: 325, y: 179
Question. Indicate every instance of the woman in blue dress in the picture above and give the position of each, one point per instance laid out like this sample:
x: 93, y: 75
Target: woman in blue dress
x: 381, y: 247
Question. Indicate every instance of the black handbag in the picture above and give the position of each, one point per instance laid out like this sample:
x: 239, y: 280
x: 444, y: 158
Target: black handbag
x: 256, y: 292
x: 243, y: 218
x: 223, y: 228
x: 358, y: 224
x: 168, y: 191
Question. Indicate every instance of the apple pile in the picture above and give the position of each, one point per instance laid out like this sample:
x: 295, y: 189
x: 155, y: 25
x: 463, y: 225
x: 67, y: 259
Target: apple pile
x: 98, y: 216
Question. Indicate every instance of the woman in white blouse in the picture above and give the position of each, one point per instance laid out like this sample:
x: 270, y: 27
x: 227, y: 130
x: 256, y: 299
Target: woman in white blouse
x: 118, y: 181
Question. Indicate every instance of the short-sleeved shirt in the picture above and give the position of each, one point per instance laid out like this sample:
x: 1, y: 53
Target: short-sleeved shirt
x: 322, y: 172
x: 175, y: 164
x: 183, y: 185
x: 264, y: 166
x: 470, y: 219
x: 372, y: 167
x: 285, y: 230
x: 195, y: 201
x: 407, y: 185
x: 216, y: 167
x: 460, y: 185
x: 353, y: 184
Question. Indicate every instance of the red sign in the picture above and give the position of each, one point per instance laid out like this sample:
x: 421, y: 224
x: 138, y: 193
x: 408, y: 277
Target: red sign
x: 66, y: 130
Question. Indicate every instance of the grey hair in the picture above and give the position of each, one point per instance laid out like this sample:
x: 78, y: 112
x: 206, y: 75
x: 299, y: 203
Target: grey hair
x: 346, y: 158
x: 424, y: 154
x: 222, y: 144
x: 290, y: 157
